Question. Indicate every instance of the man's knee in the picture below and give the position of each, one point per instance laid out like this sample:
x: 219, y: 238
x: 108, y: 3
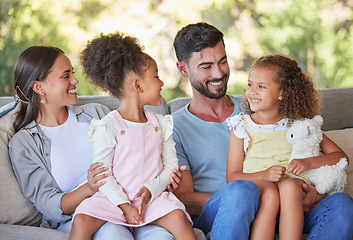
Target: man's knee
x: 152, y: 232
x: 109, y: 231
x: 243, y: 189
x: 342, y: 207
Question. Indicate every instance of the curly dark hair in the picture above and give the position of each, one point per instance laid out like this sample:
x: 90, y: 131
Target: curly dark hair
x: 107, y: 60
x: 300, y: 99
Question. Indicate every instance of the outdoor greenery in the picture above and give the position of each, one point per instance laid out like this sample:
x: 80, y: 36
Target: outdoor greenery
x: 317, y: 33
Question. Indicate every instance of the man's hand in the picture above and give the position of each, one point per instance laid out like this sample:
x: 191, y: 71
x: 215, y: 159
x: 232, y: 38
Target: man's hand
x: 312, y: 197
x: 175, y: 179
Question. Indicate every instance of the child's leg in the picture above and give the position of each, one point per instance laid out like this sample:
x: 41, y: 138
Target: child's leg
x: 84, y: 226
x: 264, y: 224
x: 291, y: 204
x: 177, y: 224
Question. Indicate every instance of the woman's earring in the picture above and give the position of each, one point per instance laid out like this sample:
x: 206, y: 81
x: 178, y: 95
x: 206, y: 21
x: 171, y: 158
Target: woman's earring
x: 43, y: 101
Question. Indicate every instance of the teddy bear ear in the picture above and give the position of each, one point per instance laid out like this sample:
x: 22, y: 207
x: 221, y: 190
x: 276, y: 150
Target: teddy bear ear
x: 308, y: 126
x: 307, y: 131
x: 318, y: 119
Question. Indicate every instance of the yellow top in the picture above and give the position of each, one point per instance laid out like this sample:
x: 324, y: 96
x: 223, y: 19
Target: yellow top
x: 267, y: 149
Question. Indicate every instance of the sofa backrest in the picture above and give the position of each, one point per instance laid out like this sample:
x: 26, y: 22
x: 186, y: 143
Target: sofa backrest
x: 110, y: 102
x: 113, y: 103
x: 337, y: 107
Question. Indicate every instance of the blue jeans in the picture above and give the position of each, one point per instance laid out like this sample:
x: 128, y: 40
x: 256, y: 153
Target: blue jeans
x: 110, y: 231
x: 230, y: 211
x: 331, y: 218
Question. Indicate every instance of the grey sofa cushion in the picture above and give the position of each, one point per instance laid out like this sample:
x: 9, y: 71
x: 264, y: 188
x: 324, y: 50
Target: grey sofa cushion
x: 14, y: 207
x: 178, y: 103
x: 344, y: 138
x: 337, y: 107
x: 16, y: 232
x: 113, y: 103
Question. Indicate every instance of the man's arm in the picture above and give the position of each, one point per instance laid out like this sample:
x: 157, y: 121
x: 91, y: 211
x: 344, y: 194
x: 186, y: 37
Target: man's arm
x: 312, y: 197
x: 193, y: 201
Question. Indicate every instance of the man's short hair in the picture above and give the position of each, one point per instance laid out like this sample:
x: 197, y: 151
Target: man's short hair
x: 194, y: 38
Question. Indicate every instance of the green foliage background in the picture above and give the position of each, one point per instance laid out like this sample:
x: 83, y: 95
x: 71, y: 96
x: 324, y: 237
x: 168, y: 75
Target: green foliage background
x: 20, y: 27
x: 317, y: 33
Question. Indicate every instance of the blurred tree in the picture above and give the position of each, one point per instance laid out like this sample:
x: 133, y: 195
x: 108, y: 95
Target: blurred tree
x: 28, y: 23
x: 21, y: 26
x: 318, y: 34
x: 89, y: 11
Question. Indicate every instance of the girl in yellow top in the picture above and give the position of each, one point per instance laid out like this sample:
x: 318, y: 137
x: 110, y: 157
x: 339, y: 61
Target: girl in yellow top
x: 278, y: 93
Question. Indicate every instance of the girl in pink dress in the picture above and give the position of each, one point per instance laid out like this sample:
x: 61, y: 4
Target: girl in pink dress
x: 135, y: 144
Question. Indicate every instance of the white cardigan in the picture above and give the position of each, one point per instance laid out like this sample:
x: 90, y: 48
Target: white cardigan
x: 102, y: 136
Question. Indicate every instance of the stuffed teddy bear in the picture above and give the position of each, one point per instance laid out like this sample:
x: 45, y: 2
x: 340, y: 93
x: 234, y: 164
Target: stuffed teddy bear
x: 305, y: 137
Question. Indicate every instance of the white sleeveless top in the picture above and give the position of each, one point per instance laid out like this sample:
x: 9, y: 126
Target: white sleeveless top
x: 71, y: 152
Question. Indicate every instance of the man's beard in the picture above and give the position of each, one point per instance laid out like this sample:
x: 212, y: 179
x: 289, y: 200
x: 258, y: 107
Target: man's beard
x: 204, y: 90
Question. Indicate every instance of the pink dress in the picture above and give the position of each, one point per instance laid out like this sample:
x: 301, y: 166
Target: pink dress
x: 137, y: 160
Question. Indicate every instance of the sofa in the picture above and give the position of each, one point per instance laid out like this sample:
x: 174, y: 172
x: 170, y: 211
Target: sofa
x: 19, y: 219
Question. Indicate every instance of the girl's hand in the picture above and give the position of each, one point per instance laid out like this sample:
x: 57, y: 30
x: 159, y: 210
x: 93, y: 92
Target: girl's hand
x: 297, y: 166
x: 274, y: 173
x: 94, y: 176
x: 145, y: 195
x: 131, y: 214
x: 175, y: 179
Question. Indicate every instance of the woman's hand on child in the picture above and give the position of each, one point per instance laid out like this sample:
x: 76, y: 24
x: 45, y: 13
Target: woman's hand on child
x: 297, y: 166
x: 175, y: 179
x: 131, y: 214
x: 144, y: 195
x: 274, y: 173
x: 94, y: 176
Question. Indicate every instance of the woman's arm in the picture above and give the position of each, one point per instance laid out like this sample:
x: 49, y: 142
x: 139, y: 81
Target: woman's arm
x: 32, y: 170
x: 71, y: 200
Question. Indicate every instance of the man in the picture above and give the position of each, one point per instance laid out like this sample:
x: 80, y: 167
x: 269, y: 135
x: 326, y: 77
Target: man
x: 201, y: 138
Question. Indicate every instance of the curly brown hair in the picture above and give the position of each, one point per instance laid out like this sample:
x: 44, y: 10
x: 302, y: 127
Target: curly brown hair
x: 107, y: 60
x: 300, y: 99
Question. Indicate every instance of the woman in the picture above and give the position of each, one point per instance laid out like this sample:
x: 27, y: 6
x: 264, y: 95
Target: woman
x: 50, y: 152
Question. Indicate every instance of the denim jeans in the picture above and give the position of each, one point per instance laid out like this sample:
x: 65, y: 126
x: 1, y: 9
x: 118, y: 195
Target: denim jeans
x: 110, y: 231
x: 331, y: 218
x: 230, y: 211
